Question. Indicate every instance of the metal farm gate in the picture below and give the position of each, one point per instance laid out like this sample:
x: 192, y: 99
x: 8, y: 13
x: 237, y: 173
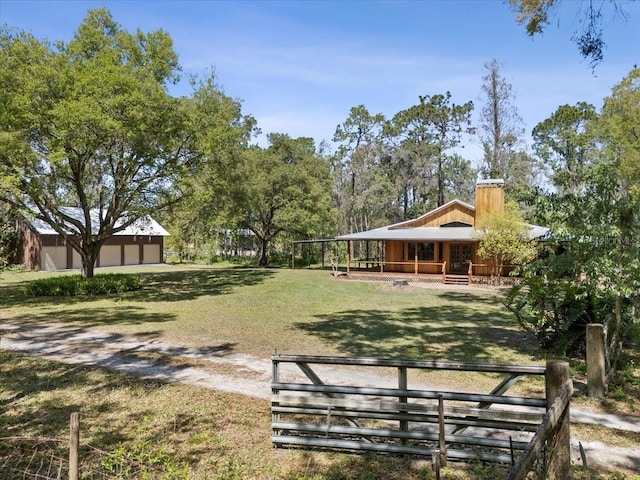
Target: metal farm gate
x: 398, y: 419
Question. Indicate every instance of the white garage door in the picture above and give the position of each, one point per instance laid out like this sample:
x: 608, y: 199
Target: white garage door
x: 151, y: 253
x: 110, y: 255
x: 76, y: 260
x: 132, y: 254
x: 54, y: 258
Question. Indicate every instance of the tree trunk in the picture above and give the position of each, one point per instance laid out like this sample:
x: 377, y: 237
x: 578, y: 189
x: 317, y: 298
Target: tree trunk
x: 89, y: 257
x: 264, y: 246
x: 87, y: 269
x: 613, y: 332
x: 440, y: 182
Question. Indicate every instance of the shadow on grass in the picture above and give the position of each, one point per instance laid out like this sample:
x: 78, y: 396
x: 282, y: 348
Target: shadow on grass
x: 462, y: 328
x: 39, y: 397
x: 184, y: 285
x: 377, y: 466
x: 118, y: 413
x: 171, y: 286
x: 94, y: 317
x: 166, y: 286
x: 23, y: 378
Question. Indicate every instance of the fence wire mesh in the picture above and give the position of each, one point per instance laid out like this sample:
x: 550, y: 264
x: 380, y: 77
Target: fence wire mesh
x: 28, y: 458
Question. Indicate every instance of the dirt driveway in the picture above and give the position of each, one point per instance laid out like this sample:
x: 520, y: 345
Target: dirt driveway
x: 238, y: 373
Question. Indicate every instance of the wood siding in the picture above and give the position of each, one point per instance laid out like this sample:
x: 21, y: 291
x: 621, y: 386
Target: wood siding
x: 30, y: 248
x: 455, y: 212
x: 43, y: 252
x: 396, y: 259
x: 489, y: 199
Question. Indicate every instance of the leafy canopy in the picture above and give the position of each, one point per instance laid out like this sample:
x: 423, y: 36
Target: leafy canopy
x: 504, y: 238
x: 90, y: 124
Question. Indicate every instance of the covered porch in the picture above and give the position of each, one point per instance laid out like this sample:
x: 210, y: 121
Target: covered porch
x: 446, y: 262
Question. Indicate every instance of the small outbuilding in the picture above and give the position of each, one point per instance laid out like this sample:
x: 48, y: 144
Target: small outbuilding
x: 42, y: 248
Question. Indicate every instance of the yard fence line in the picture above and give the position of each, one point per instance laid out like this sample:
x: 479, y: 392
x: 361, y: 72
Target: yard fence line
x: 601, y: 359
x: 421, y: 422
x: 54, y: 458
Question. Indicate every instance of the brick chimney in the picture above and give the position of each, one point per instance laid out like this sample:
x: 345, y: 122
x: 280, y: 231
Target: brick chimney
x: 489, y: 197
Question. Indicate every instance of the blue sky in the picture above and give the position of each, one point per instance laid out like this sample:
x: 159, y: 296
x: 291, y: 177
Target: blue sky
x: 299, y: 66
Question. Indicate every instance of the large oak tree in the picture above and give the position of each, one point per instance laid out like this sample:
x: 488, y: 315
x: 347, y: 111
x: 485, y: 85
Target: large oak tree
x: 90, y: 124
x: 281, y: 190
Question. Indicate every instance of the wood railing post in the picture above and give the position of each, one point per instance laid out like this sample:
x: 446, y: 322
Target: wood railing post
x: 403, y: 385
x: 348, y: 257
x: 595, y: 361
x: 559, y: 462
x: 74, y: 442
x: 441, y: 431
x: 470, y: 273
x: 275, y: 374
x: 444, y: 271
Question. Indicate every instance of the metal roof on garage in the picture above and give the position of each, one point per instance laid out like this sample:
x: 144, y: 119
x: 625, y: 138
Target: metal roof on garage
x: 143, y: 226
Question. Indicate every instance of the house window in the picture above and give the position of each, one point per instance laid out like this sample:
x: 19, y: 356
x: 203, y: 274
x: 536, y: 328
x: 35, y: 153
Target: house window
x: 425, y: 251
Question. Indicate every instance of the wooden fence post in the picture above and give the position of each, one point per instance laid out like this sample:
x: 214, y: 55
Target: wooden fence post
x: 559, y: 461
x: 596, y: 387
x: 403, y: 385
x: 441, y: 432
x: 74, y: 442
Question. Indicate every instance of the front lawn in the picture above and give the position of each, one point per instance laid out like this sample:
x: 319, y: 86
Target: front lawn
x: 189, y: 432
x: 291, y: 311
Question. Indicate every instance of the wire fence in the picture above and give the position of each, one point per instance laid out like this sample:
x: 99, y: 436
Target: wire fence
x: 30, y: 458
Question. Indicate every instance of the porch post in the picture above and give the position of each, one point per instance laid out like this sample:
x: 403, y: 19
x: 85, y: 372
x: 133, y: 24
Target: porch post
x: 348, y: 256
x: 415, y: 259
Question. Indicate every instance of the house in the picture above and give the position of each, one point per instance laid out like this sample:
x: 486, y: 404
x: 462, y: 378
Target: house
x: 42, y: 248
x: 441, y: 242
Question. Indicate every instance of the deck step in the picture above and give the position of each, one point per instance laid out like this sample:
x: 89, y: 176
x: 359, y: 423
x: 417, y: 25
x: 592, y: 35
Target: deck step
x: 456, y: 279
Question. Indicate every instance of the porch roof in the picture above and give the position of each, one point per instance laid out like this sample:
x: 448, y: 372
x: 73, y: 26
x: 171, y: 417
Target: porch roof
x: 414, y: 234
x: 431, y: 234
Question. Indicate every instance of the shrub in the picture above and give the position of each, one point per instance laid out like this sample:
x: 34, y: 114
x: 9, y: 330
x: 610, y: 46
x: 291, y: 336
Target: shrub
x: 75, y: 286
x: 551, y: 304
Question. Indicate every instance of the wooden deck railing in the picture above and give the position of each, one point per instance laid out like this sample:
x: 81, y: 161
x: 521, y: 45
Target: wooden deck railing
x: 422, y: 267
x: 418, y: 267
x: 401, y: 419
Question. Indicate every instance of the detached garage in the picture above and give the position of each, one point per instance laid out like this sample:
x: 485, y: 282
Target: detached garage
x: 140, y: 243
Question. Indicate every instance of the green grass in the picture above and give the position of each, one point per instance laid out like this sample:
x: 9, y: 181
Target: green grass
x: 192, y: 432
x: 260, y: 311
x: 75, y: 286
x: 162, y: 431
x: 250, y: 311
x: 297, y: 311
